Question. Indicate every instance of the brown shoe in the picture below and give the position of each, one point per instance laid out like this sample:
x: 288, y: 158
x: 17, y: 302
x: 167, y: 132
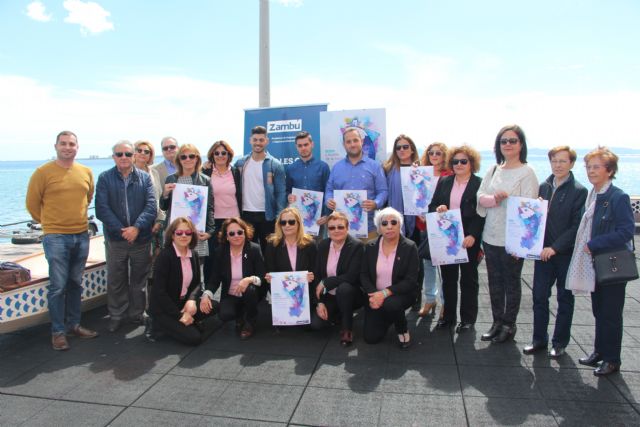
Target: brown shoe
x: 346, y: 337
x: 247, y: 331
x: 82, y: 332
x: 59, y: 342
x: 429, y: 307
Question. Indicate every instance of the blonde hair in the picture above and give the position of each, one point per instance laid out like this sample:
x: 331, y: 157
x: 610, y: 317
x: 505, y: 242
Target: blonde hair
x: 393, y: 162
x: 147, y: 144
x: 302, y: 239
x: 424, y: 160
x: 181, y: 150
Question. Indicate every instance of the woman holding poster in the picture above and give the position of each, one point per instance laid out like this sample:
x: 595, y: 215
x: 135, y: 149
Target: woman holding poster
x: 511, y: 176
x: 458, y: 191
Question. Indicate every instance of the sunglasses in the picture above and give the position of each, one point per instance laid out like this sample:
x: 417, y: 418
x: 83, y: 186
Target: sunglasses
x: 234, y: 233
x: 169, y: 147
x: 402, y: 147
x: 220, y: 153
x: 183, y: 232
x: 336, y: 227
x: 393, y: 222
x: 512, y: 141
x: 143, y: 151
x: 187, y: 156
x: 461, y: 161
x: 120, y: 154
x: 435, y: 153
x: 284, y: 222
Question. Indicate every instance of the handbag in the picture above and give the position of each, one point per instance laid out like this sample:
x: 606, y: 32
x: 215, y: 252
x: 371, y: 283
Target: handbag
x: 12, y: 276
x: 616, y: 266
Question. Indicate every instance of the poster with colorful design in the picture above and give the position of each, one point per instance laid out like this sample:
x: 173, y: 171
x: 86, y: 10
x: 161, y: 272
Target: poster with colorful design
x: 418, y: 185
x: 290, y: 299
x: 349, y: 202
x: 190, y: 201
x: 525, y: 226
x: 309, y: 203
x: 445, y: 238
x: 370, y: 122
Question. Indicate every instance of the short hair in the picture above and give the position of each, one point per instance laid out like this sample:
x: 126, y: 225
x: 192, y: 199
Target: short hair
x: 223, y: 144
x: 147, y: 144
x: 246, y: 227
x: 122, y: 142
x: 388, y: 211
x: 260, y: 130
x: 425, y: 161
x: 67, y: 133
x: 352, y: 129
x: 523, y: 143
x: 393, y: 162
x: 168, y: 234
x: 168, y: 138
x: 181, y: 150
x: 302, y: 239
x: 471, y: 153
x: 555, y: 150
x: 608, y: 157
x: 338, y: 216
x: 302, y: 135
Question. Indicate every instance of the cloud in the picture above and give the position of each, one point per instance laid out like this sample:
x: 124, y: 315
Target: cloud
x: 91, y: 17
x: 289, y: 3
x: 38, y: 12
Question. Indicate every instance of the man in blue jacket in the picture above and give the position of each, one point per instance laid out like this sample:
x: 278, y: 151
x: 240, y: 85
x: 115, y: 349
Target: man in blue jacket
x: 126, y: 205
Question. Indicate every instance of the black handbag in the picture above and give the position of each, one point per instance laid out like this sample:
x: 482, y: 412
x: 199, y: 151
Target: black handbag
x: 617, y: 266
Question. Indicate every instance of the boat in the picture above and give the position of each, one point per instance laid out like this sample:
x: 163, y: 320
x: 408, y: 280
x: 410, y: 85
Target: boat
x: 26, y: 305
x: 33, y: 232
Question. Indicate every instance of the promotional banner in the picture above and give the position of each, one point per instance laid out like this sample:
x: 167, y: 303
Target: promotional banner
x: 283, y: 124
x: 309, y: 203
x: 290, y: 299
x: 445, y: 238
x: 372, y: 126
x: 190, y: 201
x: 525, y: 226
x: 349, y: 202
x: 418, y: 185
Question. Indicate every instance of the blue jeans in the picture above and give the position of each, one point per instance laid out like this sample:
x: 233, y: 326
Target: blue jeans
x: 431, y: 283
x: 67, y: 255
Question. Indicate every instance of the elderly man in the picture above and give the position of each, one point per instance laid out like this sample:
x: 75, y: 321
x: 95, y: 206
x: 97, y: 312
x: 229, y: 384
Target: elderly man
x: 126, y: 205
x: 167, y: 167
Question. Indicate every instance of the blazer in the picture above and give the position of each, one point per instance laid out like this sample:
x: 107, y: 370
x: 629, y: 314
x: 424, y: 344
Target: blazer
x: 613, y: 222
x: 163, y: 173
x: 277, y: 259
x: 197, y: 179
x: 236, y: 180
x: 252, y: 265
x: 167, y: 283
x: 404, y: 276
x: 348, y: 268
x: 472, y: 223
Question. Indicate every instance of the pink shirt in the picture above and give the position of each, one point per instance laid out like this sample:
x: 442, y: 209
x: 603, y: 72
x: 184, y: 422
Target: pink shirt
x: 456, y: 194
x: 225, y: 204
x: 332, y: 262
x: 187, y: 272
x: 236, y: 273
x: 293, y: 254
x: 384, y: 268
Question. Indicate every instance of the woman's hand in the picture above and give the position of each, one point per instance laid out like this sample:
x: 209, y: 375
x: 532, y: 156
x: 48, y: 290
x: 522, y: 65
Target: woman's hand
x: 547, y: 253
x: 321, y: 311
x: 319, y: 290
x: 205, y: 304
x: 244, y: 284
x: 204, y: 236
x: 186, y: 319
x: 268, y: 277
x: 310, y: 276
x: 500, y: 196
x: 190, y: 307
x: 468, y: 241
x: 168, y: 188
x: 442, y: 209
x: 376, y: 299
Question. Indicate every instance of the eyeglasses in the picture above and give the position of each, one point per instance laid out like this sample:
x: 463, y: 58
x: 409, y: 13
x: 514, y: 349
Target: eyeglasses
x: 434, y: 153
x: 284, y: 222
x: 220, y: 153
x: 512, y: 141
x: 234, y: 233
x: 461, y: 161
x: 334, y: 227
x: 120, y: 154
x: 402, y: 147
x: 187, y: 156
x: 393, y: 222
x: 169, y: 147
x: 183, y: 232
x: 143, y: 151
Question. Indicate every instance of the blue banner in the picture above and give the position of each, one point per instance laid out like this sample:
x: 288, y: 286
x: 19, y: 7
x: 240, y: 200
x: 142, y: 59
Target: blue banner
x: 283, y: 124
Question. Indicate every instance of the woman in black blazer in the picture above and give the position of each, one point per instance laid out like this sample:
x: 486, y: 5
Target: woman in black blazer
x: 459, y: 191
x: 173, y: 302
x: 238, y: 266
x: 389, y: 275
x: 337, y: 272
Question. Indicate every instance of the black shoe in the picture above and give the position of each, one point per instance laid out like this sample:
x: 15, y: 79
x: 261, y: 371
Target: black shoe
x: 442, y: 324
x: 404, y: 344
x: 491, y: 333
x: 114, y: 325
x: 138, y: 320
x: 556, y: 352
x: 533, y: 348
x: 506, y: 333
x: 606, y: 368
x: 463, y: 327
x: 148, y: 329
x: 592, y: 360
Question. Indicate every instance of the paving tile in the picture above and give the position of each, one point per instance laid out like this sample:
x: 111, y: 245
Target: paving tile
x: 630, y: 357
x: 359, y: 350
x: 491, y: 381
x: 421, y: 379
x: 15, y: 410
x: 15, y: 363
x: 575, y: 385
x: 349, y: 374
x: 278, y: 369
x: 482, y: 353
x: 628, y: 384
x: 425, y: 350
x: 491, y: 411
x: 47, y: 382
x: 143, y: 417
x: 572, y: 413
x: 405, y: 410
x: 323, y: 407
x: 61, y: 413
x: 208, y: 363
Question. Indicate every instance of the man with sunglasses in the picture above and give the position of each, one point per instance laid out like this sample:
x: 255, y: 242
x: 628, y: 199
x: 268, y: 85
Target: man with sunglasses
x: 126, y: 205
x: 167, y: 167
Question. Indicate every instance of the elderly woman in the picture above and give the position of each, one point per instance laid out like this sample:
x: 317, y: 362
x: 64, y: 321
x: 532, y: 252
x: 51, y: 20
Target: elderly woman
x: 337, y: 270
x: 237, y: 265
x: 511, y: 176
x: 607, y: 224
x: 177, y: 287
x: 458, y: 191
x: 389, y: 275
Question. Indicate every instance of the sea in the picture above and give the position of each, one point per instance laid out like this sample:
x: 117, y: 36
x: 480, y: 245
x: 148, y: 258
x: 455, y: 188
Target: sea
x: 15, y: 177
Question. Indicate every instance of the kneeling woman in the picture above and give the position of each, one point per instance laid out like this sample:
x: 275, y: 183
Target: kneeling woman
x: 389, y: 276
x: 176, y: 287
x: 338, y: 292
x: 238, y: 266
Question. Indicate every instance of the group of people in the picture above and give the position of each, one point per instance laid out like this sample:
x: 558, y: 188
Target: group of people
x: 250, y: 233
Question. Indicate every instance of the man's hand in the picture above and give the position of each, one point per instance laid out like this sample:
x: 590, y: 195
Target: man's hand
x: 322, y: 220
x: 321, y: 311
x: 331, y: 204
x: 468, y: 242
x: 369, y: 205
x: 291, y: 198
x: 130, y: 234
x: 205, y: 304
x: 547, y: 253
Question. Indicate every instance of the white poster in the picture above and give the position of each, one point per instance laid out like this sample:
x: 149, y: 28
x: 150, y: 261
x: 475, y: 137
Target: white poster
x: 190, y: 201
x: 309, y: 203
x: 525, y: 226
x: 370, y: 122
x: 290, y: 299
x: 445, y: 238
x: 418, y: 185
x: 349, y: 202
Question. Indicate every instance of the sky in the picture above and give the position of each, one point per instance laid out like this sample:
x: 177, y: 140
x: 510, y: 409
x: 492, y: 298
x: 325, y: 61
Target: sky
x: 454, y: 71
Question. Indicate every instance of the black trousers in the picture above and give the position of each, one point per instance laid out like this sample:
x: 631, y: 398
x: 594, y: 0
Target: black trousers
x: 469, y: 285
x: 376, y: 322
x: 261, y: 226
x: 193, y: 334
x: 241, y: 308
x: 505, y: 286
x: 347, y: 299
x: 607, y: 303
x: 209, y: 261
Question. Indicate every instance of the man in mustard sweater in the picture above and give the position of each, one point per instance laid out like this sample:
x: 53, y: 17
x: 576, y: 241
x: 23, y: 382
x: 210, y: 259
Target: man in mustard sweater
x: 58, y: 197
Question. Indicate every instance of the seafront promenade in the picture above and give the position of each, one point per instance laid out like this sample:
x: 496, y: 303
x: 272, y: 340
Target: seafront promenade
x: 297, y: 377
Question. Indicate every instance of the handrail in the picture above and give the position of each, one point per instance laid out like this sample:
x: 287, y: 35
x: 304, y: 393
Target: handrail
x: 30, y: 220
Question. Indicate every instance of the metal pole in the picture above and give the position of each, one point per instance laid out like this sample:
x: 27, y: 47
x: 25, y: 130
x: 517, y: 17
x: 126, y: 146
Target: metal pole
x: 264, y: 82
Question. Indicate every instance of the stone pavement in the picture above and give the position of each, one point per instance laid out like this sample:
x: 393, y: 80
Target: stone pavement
x: 297, y: 377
